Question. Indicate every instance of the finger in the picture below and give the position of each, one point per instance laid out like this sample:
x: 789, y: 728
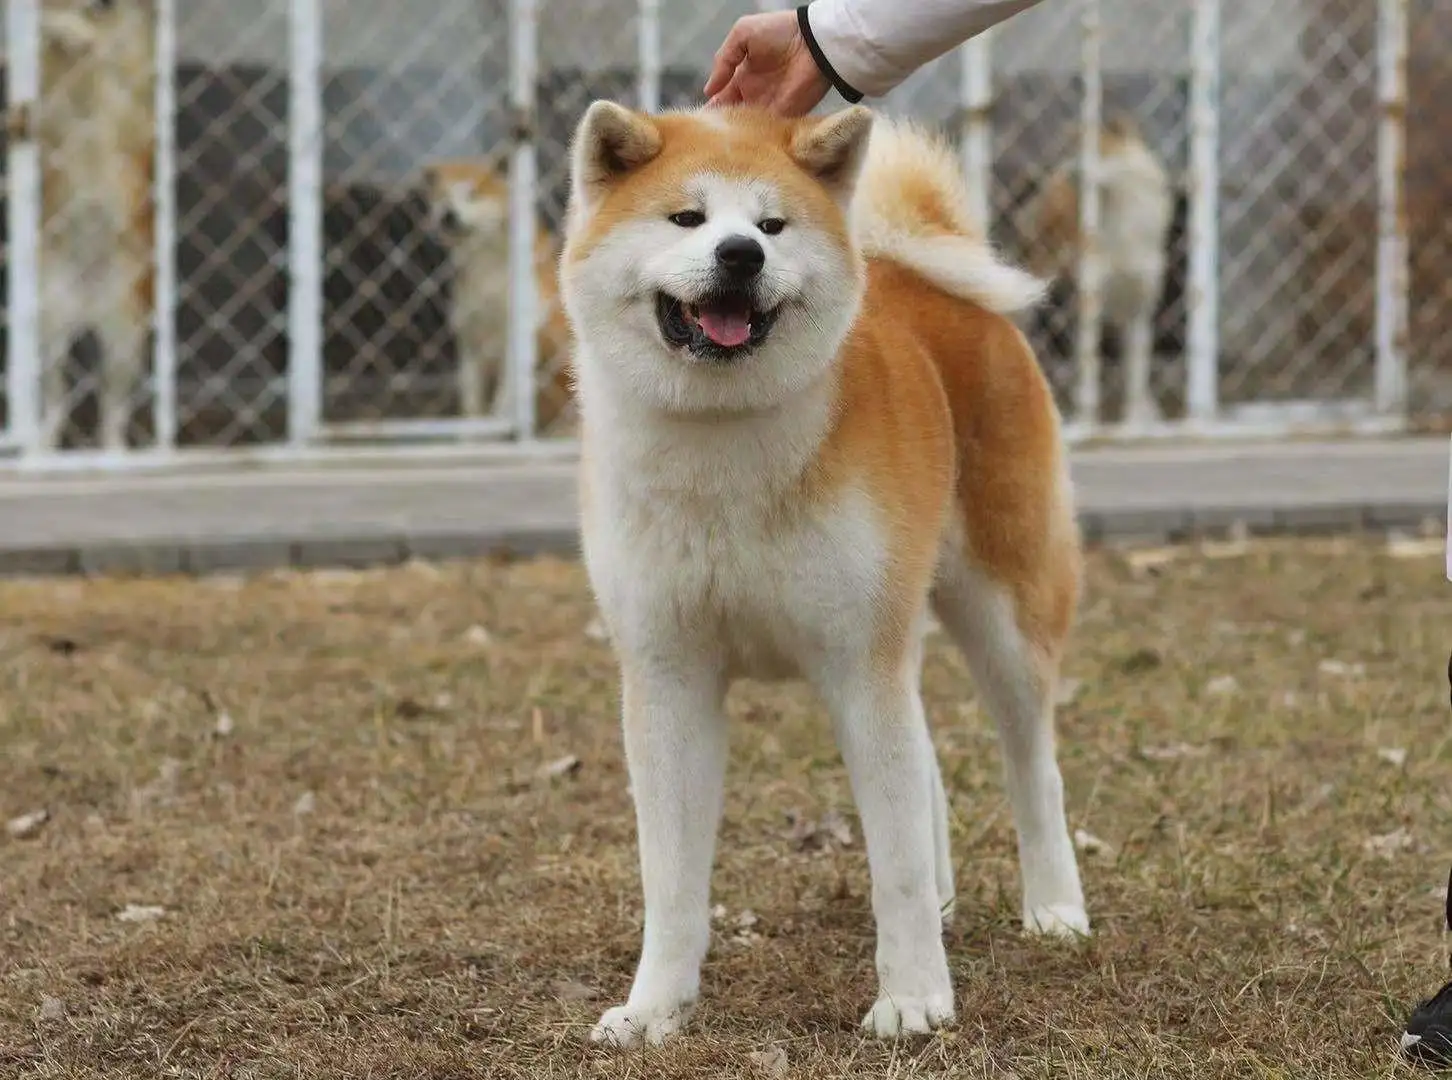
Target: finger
x: 732, y: 51
x: 730, y: 95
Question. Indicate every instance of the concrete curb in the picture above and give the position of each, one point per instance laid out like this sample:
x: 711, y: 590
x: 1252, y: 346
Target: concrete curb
x: 307, y: 550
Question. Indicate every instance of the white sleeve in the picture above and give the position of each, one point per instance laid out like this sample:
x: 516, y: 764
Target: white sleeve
x: 872, y: 45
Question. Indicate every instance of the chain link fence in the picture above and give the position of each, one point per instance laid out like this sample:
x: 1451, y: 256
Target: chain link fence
x: 413, y: 284
x: 1429, y: 194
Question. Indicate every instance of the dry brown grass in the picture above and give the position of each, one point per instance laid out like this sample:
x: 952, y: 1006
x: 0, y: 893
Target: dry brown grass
x: 366, y: 878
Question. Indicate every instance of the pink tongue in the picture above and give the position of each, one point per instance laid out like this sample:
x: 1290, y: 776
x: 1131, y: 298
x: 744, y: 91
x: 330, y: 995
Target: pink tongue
x: 728, y: 328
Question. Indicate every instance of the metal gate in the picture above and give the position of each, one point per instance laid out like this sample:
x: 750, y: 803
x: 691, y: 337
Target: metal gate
x: 311, y: 210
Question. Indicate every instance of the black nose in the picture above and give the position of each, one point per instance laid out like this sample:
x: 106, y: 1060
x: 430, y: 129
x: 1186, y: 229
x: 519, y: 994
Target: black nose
x: 740, y: 257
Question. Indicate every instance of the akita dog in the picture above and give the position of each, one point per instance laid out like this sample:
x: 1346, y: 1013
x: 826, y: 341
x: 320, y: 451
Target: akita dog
x: 96, y: 128
x: 807, y: 422
x: 1136, y: 207
x: 468, y: 202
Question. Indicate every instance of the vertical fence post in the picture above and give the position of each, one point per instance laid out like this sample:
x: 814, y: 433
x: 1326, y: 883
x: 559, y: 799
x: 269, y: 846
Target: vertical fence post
x: 1202, y: 347
x: 1392, y: 273
x: 164, y: 300
x: 976, y: 87
x: 523, y: 301
x: 305, y: 221
x: 22, y: 84
x: 648, y: 60
x: 1086, y: 341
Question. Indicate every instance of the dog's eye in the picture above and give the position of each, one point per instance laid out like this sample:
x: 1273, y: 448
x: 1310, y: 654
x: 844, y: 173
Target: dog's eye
x: 771, y: 226
x: 688, y: 219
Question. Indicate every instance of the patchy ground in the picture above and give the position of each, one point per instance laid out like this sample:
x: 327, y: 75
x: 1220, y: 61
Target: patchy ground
x: 376, y: 825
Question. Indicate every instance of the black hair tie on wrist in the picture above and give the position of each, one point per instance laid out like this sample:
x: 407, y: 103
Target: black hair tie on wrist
x: 852, y: 96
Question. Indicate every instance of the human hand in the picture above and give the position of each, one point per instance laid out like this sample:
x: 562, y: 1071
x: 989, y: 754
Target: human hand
x: 765, y: 62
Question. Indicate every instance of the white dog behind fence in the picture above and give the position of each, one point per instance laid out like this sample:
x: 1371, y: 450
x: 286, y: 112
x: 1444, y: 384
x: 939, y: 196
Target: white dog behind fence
x: 1136, y: 207
x: 96, y: 128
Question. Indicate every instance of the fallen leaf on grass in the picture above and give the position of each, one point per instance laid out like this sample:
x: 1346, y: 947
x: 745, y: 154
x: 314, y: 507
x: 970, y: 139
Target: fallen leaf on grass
x: 808, y: 835
x: 563, y: 766
x: 773, y: 1062
x: 479, y: 637
x: 1393, y: 755
x: 1341, y: 667
x: 63, y: 646
x: 52, y: 1008
x: 1172, y: 751
x: 573, y: 990
x: 1090, y: 844
x: 1144, y: 659
x: 1401, y: 546
x: 1149, y: 560
x: 1222, y: 685
x: 408, y: 708
x: 27, y: 825
x: 1388, y: 843
x: 306, y: 803
x: 140, y: 913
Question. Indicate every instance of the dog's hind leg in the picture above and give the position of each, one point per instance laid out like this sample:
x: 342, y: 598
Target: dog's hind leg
x: 1140, y: 406
x: 942, y: 839
x: 55, y: 348
x: 122, y: 328
x: 1015, y: 677
x: 943, y: 847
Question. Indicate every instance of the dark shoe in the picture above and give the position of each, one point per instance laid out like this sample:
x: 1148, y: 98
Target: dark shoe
x: 1428, y: 1037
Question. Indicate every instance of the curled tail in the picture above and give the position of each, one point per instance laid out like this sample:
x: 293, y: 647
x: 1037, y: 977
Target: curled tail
x: 912, y: 207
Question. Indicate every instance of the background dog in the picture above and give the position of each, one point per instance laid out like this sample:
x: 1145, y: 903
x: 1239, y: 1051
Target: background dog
x: 1135, y: 211
x: 800, y: 434
x: 96, y: 127
x: 469, y: 212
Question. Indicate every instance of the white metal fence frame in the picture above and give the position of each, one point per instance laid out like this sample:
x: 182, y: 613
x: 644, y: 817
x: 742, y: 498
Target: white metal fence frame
x: 309, y: 436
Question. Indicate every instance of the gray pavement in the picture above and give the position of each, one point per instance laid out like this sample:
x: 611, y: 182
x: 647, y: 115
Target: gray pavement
x: 201, y: 521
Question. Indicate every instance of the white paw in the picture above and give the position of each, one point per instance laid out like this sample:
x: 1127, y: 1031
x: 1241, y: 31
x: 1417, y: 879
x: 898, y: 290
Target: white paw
x: 626, y: 1025
x: 892, y: 1017
x: 1057, y: 920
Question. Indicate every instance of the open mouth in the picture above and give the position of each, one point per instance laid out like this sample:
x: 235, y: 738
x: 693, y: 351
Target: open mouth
x: 721, y: 327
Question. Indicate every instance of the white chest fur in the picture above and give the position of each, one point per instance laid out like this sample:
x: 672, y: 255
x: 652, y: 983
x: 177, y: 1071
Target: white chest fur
x: 702, y: 538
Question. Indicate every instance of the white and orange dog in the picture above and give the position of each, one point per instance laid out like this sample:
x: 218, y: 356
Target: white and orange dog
x: 806, y: 423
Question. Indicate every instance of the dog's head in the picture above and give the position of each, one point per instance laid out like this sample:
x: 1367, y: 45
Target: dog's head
x: 467, y: 198
x: 81, y: 26
x: 708, y: 263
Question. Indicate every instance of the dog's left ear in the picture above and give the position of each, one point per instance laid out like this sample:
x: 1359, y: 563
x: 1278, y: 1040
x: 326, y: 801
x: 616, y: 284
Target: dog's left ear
x: 610, y: 142
x: 832, y: 149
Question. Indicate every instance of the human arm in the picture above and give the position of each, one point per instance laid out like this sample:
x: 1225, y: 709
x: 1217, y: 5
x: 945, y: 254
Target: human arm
x: 868, y: 47
x: 788, y: 60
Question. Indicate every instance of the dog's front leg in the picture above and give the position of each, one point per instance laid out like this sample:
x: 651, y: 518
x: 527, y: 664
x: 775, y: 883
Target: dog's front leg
x: 884, y: 739
x: 675, y: 748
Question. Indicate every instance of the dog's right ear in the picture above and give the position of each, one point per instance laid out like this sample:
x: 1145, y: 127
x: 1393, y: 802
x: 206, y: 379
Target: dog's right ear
x: 610, y: 142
